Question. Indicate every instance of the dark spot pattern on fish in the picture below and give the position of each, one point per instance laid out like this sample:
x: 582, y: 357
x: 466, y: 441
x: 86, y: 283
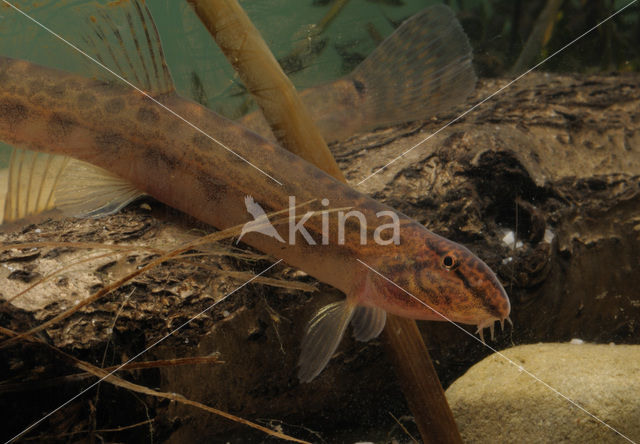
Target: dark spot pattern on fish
x: 147, y: 115
x: 464, y: 280
x: 158, y: 159
x: 60, y: 125
x: 352, y: 223
x: 444, y: 297
x: 13, y: 111
x: 56, y: 91
x: 86, y: 100
x: 201, y: 141
x: 390, y: 289
x: 110, y: 143
x: 108, y: 87
x: 215, y: 190
x: 35, y: 86
x: 359, y: 86
x: 114, y: 106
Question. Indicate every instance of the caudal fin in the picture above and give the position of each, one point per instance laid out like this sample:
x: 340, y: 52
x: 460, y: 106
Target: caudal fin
x: 422, y: 69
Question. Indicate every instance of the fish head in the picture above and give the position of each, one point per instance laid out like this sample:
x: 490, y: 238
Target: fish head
x: 442, y: 281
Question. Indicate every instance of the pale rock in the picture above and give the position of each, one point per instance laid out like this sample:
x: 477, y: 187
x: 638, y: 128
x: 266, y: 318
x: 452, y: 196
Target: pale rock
x: 500, y: 401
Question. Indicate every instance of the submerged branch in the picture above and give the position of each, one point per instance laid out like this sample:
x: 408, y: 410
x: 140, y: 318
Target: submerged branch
x: 260, y: 72
x: 538, y: 38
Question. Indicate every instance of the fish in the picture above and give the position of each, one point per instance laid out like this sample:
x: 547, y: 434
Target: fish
x: 87, y: 147
x: 423, y: 68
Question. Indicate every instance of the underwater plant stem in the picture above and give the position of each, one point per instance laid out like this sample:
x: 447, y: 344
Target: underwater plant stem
x: 539, y: 37
x: 261, y: 74
x: 292, y: 125
x: 336, y: 7
x: 419, y: 382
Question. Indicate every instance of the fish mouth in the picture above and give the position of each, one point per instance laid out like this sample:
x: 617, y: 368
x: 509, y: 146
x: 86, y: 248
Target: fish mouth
x: 491, y: 322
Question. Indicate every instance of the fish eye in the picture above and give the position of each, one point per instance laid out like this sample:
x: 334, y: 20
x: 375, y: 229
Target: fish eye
x: 449, y: 262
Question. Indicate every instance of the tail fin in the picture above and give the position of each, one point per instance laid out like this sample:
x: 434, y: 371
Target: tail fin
x: 423, y: 68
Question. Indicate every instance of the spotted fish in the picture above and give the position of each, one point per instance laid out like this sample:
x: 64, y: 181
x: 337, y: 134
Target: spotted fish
x: 86, y: 146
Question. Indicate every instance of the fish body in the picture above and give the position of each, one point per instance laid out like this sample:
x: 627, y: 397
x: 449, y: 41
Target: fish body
x: 418, y: 274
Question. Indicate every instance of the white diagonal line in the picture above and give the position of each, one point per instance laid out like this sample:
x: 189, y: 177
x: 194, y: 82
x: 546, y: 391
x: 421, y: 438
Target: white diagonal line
x: 489, y: 97
x: 142, y: 352
x: 518, y: 366
x: 166, y: 108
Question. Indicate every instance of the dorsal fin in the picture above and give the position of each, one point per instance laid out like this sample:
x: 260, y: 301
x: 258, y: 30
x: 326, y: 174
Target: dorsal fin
x: 40, y: 182
x: 123, y: 36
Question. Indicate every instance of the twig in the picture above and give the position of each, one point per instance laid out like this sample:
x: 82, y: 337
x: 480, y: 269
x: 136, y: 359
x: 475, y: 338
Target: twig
x: 115, y: 380
x: 260, y: 72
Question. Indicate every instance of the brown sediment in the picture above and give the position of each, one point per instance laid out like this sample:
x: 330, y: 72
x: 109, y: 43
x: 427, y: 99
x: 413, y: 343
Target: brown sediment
x: 109, y: 377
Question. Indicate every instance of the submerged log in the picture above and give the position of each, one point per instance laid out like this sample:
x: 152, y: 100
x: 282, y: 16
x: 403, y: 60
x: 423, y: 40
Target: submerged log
x: 554, y: 159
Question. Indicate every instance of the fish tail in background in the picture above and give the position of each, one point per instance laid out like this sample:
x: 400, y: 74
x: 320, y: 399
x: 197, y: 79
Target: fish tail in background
x: 422, y: 69
x: 326, y: 329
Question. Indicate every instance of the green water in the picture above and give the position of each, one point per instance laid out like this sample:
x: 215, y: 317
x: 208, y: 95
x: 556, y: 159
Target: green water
x: 497, y: 31
x: 199, y: 69
x: 286, y: 26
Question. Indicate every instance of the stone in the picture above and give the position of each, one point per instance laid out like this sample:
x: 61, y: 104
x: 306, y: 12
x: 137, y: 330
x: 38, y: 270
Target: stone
x: 531, y: 393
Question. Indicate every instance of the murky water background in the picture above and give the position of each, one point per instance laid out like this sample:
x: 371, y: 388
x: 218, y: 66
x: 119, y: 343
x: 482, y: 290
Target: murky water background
x: 497, y: 31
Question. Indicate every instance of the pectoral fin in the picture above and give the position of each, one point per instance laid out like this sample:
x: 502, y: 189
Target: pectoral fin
x: 368, y: 322
x: 324, y: 333
x: 40, y: 182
